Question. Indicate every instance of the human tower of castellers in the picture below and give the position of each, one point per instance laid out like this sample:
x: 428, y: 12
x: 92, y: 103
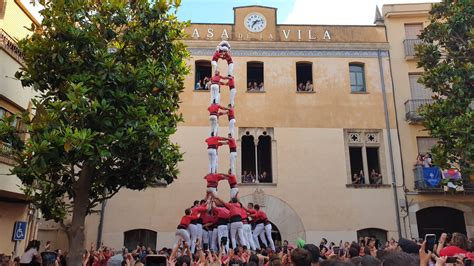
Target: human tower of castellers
x: 211, y: 220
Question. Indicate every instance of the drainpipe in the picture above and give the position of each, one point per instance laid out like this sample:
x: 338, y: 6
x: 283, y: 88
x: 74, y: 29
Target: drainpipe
x: 390, y: 149
x: 101, y: 223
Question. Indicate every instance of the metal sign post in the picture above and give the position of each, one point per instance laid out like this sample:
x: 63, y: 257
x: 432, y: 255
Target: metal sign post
x: 19, y: 233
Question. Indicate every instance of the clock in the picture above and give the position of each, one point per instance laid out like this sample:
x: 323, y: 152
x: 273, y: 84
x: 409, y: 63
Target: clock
x: 255, y: 22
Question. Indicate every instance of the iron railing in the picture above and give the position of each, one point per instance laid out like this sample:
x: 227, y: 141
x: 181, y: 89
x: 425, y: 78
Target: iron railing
x: 422, y: 186
x: 6, y: 150
x: 411, y: 109
x: 9, y: 45
x: 410, y: 44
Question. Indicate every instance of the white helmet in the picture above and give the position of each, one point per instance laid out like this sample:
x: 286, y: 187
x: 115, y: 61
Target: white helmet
x: 224, y: 44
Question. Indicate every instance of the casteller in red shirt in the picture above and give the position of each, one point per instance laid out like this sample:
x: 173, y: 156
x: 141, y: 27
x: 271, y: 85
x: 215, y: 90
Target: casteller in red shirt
x: 213, y: 142
x: 213, y: 179
x: 222, y: 55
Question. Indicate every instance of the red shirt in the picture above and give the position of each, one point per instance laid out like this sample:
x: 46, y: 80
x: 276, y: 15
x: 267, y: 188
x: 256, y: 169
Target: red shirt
x: 186, y: 220
x: 213, y: 142
x: 261, y: 217
x: 214, y: 108
x: 221, y: 213
x: 232, y: 181
x: 452, y: 251
x: 226, y: 56
x: 234, y: 209
x: 231, y: 114
x: 232, y: 145
x: 206, y: 218
x: 200, y: 209
x: 213, y: 179
x: 243, y: 214
x: 216, y: 79
x: 231, y: 83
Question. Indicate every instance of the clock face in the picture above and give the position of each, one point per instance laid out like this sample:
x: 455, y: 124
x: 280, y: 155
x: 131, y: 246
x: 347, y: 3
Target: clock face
x: 255, y: 22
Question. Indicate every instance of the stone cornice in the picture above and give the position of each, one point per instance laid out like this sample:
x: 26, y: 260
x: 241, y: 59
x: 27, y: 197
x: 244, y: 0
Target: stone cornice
x: 293, y: 53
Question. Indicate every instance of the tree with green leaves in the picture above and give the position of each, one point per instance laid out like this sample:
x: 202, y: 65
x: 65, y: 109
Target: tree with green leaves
x: 447, y: 57
x: 108, y: 75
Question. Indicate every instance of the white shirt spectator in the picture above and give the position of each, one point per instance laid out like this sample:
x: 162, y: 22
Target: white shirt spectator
x: 28, y: 256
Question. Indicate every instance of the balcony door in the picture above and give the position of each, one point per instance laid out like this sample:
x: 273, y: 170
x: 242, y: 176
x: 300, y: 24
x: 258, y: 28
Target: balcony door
x: 413, y: 30
x: 418, y: 91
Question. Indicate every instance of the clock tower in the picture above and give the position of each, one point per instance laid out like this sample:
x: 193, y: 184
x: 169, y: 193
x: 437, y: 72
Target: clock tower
x: 255, y: 23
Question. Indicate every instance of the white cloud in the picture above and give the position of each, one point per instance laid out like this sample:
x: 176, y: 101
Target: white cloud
x: 338, y: 12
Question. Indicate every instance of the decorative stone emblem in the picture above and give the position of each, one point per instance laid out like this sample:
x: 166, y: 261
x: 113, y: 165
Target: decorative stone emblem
x: 259, y: 197
x: 354, y: 137
x: 372, y: 138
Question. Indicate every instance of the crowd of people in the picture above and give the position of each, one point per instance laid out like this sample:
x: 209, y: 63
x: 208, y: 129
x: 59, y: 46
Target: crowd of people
x: 308, y: 86
x: 250, y: 177
x: 424, y: 160
x: 203, y: 84
x: 255, y: 86
x: 375, y: 178
x: 450, y: 249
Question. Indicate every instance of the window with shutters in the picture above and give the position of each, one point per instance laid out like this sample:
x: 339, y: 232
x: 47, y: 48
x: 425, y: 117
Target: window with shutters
x: 255, y: 77
x: 413, y: 30
x: 364, y: 151
x: 258, y: 147
x: 357, y: 77
x: 203, y: 75
x: 425, y: 144
x: 418, y: 91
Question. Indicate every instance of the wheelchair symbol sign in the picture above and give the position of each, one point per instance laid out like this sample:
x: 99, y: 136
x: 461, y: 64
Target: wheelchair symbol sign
x: 19, y: 232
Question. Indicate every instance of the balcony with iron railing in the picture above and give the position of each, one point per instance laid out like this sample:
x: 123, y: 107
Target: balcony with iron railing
x: 424, y: 183
x: 410, y: 51
x: 6, y: 154
x: 411, y: 109
x: 9, y: 45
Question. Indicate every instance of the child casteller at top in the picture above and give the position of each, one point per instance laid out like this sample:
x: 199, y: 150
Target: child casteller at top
x: 223, y: 52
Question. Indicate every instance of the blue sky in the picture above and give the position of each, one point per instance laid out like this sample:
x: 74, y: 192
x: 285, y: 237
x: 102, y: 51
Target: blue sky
x: 212, y: 11
x: 337, y: 12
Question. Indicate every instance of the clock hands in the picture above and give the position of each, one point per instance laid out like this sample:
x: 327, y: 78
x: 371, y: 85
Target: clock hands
x: 257, y: 21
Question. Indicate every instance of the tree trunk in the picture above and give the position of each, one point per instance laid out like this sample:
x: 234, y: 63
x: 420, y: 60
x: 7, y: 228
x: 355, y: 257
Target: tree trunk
x: 75, y: 233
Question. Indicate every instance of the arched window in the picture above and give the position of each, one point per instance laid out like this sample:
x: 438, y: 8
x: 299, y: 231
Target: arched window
x: 139, y: 237
x: 438, y: 220
x: 380, y: 235
x: 255, y: 76
x: 203, y: 74
x: 304, y: 76
x: 264, y: 155
x: 248, y: 159
x: 357, y: 77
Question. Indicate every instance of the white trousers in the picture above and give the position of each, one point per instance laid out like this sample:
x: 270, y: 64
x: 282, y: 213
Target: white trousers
x: 214, y: 66
x: 223, y: 231
x: 212, y: 160
x: 193, y: 232
x: 248, y: 236
x: 232, y: 126
x: 212, y: 190
x: 232, y: 158
x: 199, y: 233
x: 214, y: 124
x: 268, y: 232
x: 233, y: 192
x: 233, y: 91
x: 259, y: 228
x: 230, y: 70
x: 205, y: 237
x: 215, y: 93
x: 237, y: 228
x: 184, y: 234
x: 214, y: 245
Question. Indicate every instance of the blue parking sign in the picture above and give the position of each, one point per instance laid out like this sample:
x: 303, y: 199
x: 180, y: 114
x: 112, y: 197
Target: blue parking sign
x: 19, y: 231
